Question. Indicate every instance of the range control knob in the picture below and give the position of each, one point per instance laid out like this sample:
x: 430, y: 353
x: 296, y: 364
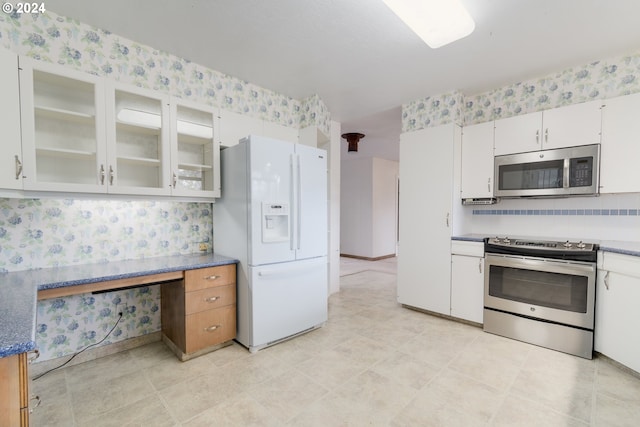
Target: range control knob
x: 568, y: 244
x: 581, y: 245
x: 506, y: 240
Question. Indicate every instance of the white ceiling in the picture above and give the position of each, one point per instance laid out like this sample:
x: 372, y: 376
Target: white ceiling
x: 359, y: 57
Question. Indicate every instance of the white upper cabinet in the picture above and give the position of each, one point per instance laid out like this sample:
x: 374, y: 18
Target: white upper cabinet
x: 83, y: 133
x: 277, y: 131
x: 234, y: 127
x: 11, y: 157
x: 195, y: 151
x: 477, y: 161
x: 620, y: 150
x: 138, y: 141
x: 578, y: 124
x: 518, y: 134
x: 63, y: 128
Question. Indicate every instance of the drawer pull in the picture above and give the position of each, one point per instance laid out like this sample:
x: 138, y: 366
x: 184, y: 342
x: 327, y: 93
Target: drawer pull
x: 38, y: 402
x: 33, y: 355
x: 212, y: 328
x: 211, y: 299
x: 212, y: 277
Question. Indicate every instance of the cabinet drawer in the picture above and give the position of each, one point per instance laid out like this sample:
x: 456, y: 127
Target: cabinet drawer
x: 624, y: 264
x: 210, y: 327
x: 463, y: 247
x: 202, y: 278
x: 210, y: 298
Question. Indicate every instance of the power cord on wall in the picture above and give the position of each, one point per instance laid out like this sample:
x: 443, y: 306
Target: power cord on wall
x: 37, y: 377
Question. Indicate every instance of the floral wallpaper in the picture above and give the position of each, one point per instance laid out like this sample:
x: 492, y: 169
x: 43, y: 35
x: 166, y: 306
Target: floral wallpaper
x: 596, y: 80
x: 432, y: 111
x: 38, y: 233
x: 56, y: 39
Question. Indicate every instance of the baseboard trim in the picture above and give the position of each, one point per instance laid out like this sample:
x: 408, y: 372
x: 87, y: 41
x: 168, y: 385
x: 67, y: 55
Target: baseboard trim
x: 364, y: 258
x: 95, y: 353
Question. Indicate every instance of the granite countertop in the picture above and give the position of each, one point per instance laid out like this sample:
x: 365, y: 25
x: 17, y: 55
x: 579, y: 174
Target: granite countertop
x: 19, y: 290
x: 615, y: 246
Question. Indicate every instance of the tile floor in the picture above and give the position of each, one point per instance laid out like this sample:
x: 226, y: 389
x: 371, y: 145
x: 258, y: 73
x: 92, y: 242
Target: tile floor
x: 373, y: 364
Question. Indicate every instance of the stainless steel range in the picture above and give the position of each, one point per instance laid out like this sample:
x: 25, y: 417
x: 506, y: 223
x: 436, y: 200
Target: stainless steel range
x: 541, y: 292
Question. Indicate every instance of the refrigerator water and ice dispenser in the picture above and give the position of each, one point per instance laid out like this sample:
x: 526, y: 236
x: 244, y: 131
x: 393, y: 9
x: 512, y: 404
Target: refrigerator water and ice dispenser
x: 275, y: 222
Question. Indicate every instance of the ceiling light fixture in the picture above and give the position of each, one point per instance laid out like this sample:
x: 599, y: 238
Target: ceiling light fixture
x: 352, y: 139
x: 437, y: 22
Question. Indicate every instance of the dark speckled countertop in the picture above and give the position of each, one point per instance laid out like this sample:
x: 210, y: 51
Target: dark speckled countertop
x: 19, y: 290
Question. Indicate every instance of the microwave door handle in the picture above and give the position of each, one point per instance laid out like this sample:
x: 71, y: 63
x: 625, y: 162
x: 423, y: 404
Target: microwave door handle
x: 565, y: 178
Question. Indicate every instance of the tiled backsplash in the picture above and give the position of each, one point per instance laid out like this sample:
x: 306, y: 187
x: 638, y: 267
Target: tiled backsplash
x: 607, y: 217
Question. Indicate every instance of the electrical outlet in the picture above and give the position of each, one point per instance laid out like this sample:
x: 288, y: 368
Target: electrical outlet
x: 121, y: 308
x: 204, y: 247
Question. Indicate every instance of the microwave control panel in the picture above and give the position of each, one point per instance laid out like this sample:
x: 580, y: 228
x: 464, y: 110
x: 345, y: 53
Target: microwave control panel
x: 581, y: 172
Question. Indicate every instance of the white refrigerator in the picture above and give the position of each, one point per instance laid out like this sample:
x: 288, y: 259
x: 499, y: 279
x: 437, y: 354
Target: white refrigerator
x: 272, y: 217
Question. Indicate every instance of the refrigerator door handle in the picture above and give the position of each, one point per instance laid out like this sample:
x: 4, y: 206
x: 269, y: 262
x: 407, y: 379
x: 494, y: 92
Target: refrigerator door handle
x: 283, y: 271
x: 299, y: 202
x: 291, y: 193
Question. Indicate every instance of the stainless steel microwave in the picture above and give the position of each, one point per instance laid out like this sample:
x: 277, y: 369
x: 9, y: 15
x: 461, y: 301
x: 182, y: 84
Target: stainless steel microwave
x: 571, y: 171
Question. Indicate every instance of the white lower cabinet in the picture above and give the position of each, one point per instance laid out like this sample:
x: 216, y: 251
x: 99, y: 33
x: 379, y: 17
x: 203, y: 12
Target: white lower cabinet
x: 426, y: 195
x: 617, y: 313
x: 467, y: 280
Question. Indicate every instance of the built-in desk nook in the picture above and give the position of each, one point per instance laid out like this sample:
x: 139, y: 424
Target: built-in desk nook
x: 198, y: 297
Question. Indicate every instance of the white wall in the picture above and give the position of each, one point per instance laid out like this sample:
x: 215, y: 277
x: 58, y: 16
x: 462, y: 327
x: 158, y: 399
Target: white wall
x: 384, y: 206
x: 333, y: 148
x: 368, y: 207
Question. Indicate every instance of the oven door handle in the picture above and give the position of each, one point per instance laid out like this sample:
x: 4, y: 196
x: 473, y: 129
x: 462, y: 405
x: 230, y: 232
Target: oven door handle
x: 542, y: 264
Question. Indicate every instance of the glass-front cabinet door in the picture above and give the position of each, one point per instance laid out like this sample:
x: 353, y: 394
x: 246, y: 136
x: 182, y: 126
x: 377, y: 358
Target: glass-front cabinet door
x: 11, y: 155
x: 63, y: 130
x: 195, y: 159
x: 138, y: 141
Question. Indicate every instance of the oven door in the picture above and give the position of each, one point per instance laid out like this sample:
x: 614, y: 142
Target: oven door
x: 547, y: 289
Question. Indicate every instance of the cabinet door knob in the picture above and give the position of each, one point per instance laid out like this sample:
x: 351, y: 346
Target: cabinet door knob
x: 212, y: 299
x: 212, y: 328
x: 102, y: 174
x: 480, y: 265
x: 212, y: 277
x: 606, y: 280
x: 546, y: 135
x: 537, y: 137
x: 111, y: 175
x: 489, y: 184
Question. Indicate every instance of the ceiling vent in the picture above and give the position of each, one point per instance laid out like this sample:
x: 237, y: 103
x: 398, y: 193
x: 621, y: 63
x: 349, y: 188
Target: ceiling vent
x: 352, y: 139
